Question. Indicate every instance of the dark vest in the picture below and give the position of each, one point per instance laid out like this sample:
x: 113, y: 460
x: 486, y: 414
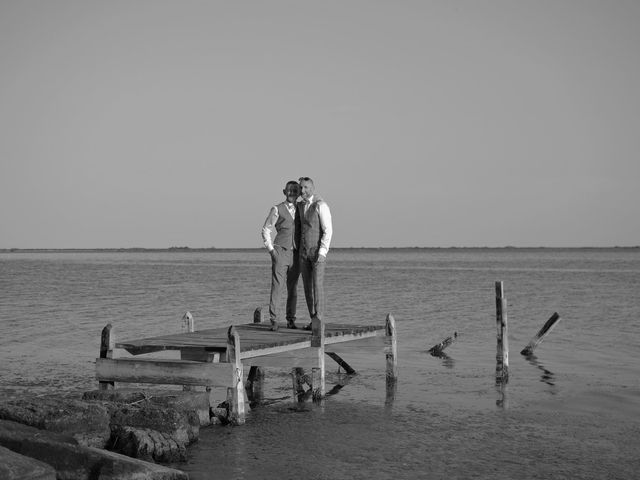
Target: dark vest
x: 310, y: 230
x: 285, y: 227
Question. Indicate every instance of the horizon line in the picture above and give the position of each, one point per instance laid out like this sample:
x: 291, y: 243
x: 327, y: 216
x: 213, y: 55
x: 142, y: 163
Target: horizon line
x: 205, y: 249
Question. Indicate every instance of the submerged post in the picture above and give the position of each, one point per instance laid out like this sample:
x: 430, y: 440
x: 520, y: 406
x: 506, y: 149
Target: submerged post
x: 318, y: 373
x: 502, y: 354
x: 107, y: 344
x: 543, y: 332
x: 235, y: 394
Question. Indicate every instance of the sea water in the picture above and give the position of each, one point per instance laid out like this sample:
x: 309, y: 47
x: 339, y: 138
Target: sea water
x: 570, y: 411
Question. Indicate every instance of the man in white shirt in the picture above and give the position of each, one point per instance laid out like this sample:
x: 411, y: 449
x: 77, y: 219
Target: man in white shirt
x: 283, y: 248
x: 315, y: 230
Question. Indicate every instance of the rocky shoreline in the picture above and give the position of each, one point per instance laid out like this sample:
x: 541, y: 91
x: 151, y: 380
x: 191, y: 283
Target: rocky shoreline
x: 105, y: 434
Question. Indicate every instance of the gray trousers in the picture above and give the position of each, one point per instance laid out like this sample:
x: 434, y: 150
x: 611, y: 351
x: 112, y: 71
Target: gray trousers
x: 284, y: 274
x: 313, y: 281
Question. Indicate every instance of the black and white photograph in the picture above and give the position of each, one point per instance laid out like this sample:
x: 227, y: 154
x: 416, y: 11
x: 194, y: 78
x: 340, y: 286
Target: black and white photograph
x: 320, y: 240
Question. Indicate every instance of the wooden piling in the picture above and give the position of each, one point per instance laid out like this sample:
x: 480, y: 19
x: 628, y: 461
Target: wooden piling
x: 543, y: 332
x: 298, y: 380
x: 188, y: 324
x: 391, y: 350
x: 318, y: 373
x: 107, y: 344
x: 235, y: 394
x: 502, y: 354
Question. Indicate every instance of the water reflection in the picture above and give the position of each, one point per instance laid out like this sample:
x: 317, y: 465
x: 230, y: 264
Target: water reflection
x: 547, y: 376
x: 447, y: 361
x: 503, y: 392
x: 391, y: 389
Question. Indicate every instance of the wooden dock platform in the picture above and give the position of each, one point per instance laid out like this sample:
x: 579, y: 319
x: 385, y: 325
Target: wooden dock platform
x: 216, y: 357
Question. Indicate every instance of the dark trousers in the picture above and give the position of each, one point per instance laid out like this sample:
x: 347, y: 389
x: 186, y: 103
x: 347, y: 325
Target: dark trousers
x: 313, y: 281
x: 284, y: 273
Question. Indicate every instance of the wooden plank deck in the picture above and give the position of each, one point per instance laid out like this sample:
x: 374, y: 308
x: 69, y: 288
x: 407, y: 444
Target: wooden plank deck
x: 257, y: 339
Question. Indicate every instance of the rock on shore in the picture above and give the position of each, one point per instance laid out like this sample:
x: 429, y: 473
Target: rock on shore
x: 75, y: 435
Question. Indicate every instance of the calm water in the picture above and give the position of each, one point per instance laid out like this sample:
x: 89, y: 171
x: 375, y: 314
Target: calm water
x: 573, y: 411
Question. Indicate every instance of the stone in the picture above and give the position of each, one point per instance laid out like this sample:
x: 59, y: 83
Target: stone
x: 14, y: 466
x: 87, y: 422
x: 147, y: 444
x: 153, y: 432
x: 74, y: 461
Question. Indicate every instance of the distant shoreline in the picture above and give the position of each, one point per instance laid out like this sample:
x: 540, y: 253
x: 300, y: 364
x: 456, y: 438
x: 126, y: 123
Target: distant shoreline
x: 214, y: 249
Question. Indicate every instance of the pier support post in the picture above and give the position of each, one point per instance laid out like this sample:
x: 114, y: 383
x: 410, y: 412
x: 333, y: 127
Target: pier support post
x: 255, y: 379
x: 235, y: 394
x: 188, y: 326
x: 543, y: 332
x: 502, y: 353
x: 297, y: 380
x: 107, y: 345
x: 318, y: 373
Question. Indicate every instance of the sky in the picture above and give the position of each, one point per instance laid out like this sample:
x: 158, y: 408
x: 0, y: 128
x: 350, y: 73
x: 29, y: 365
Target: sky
x: 155, y: 123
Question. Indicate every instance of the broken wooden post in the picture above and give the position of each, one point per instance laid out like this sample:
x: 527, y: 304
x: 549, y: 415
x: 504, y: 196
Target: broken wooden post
x: 436, y: 350
x: 255, y: 379
x: 235, y: 394
x: 338, y: 359
x: 318, y: 373
x: 107, y: 344
x: 543, y: 332
x: 502, y: 354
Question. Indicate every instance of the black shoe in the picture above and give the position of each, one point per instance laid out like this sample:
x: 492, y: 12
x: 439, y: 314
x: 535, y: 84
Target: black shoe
x: 291, y: 324
x: 274, y: 326
x: 307, y: 327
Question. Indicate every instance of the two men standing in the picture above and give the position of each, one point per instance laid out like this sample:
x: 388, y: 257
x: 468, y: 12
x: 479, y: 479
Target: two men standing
x: 303, y: 231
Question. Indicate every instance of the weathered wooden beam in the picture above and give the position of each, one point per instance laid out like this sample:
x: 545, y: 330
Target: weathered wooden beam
x: 107, y: 345
x: 543, y: 332
x: 437, y: 350
x: 318, y: 372
x: 163, y: 371
x: 502, y: 351
x: 335, y: 357
x: 235, y: 394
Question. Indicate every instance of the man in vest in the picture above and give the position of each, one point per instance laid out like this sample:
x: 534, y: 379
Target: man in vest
x: 315, y: 229
x: 284, y: 254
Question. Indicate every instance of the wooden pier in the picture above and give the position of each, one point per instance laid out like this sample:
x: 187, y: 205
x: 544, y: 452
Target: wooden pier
x: 217, y: 357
